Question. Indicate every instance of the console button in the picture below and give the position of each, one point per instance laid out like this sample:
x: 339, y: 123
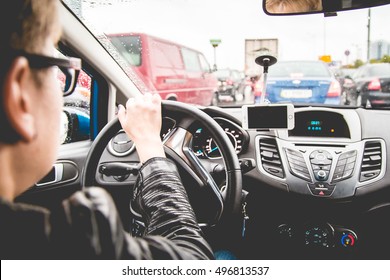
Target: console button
x: 322, y: 161
x: 345, y: 166
x: 339, y: 169
x: 341, y: 162
x: 321, y: 167
x: 299, y: 168
x: 316, y: 166
x: 297, y: 162
x: 350, y: 166
x: 297, y: 165
x: 347, y: 173
x: 321, y: 189
x: 337, y: 176
x: 320, y: 156
x: 325, y: 167
x: 347, y: 155
x: 351, y: 159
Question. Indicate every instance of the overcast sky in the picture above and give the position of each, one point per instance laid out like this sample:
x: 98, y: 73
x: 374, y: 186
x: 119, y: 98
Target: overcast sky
x: 194, y: 22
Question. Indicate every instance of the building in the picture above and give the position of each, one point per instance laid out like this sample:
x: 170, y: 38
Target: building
x: 379, y: 48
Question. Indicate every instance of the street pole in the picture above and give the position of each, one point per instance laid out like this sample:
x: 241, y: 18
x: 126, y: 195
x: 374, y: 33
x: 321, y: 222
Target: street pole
x: 215, y: 43
x: 368, y: 35
x: 215, y: 58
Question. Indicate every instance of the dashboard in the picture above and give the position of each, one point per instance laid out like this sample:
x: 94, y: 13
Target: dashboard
x: 319, y: 188
x: 325, y: 155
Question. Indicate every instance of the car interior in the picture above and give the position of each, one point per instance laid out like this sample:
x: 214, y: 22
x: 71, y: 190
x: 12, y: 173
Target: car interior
x: 320, y: 190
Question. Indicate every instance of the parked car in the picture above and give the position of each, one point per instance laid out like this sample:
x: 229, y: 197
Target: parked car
x: 300, y: 82
x: 230, y: 83
x: 369, y: 86
x: 174, y: 71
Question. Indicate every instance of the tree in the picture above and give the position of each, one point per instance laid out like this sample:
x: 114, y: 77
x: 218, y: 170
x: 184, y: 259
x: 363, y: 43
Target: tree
x: 386, y: 58
x: 358, y: 63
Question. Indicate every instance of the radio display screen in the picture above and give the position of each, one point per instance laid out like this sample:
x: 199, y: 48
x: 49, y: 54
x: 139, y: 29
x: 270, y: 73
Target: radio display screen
x: 320, y: 124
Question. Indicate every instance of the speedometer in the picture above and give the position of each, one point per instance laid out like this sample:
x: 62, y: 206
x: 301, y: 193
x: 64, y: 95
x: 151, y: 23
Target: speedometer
x: 212, y: 150
x: 205, y: 146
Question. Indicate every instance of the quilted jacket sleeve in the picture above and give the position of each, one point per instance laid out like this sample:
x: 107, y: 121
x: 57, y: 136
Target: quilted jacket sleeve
x: 94, y: 229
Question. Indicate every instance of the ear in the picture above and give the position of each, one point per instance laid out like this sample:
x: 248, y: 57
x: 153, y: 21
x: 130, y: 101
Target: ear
x: 17, y: 98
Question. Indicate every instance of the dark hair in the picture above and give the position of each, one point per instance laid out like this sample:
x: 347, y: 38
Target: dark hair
x: 24, y: 25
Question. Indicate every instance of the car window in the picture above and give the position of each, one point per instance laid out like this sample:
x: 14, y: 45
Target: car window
x: 204, y: 64
x: 380, y: 70
x: 167, y: 55
x: 299, y: 69
x: 75, y: 123
x: 191, y: 60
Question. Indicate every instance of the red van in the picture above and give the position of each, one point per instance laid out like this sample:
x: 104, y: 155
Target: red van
x: 174, y: 71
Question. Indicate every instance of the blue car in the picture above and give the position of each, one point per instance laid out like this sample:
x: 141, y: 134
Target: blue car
x: 302, y: 82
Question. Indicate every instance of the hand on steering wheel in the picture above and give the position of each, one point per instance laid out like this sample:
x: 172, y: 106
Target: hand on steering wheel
x: 177, y: 146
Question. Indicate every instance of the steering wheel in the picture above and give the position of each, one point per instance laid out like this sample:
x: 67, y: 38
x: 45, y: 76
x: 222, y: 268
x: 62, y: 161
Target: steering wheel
x: 177, y: 146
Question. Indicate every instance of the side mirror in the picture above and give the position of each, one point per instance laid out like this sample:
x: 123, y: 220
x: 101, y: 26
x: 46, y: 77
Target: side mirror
x: 64, y: 128
x: 75, y: 125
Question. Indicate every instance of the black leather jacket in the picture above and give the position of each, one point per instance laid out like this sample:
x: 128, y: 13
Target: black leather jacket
x: 88, y: 227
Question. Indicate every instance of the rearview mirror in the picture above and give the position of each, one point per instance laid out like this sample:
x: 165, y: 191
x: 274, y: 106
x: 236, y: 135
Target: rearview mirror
x: 294, y: 7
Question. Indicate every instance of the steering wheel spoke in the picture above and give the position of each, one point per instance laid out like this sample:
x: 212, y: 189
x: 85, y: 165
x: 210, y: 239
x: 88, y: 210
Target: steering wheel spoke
x: 179, y: 141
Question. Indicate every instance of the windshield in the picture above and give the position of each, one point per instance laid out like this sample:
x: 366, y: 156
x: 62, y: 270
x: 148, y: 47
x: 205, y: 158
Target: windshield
x: 176, y: 48
x: 129, y: 46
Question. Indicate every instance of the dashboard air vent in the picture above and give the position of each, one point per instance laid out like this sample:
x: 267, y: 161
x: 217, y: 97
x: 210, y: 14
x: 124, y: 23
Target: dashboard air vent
x: 372, y: 161
x: 270, y: 157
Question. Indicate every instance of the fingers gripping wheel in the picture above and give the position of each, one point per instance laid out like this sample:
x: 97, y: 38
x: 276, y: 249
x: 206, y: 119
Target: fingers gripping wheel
x: 184, y: 115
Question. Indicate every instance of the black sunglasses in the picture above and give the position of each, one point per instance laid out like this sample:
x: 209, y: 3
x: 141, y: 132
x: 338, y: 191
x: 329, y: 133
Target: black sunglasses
x: 69, y: 66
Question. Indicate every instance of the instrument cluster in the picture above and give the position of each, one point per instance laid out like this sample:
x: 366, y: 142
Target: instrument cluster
x: 204, y: 146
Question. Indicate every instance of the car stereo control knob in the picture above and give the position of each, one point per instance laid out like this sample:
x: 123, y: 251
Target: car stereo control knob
x: 322, y: 175
x: 348, y: 239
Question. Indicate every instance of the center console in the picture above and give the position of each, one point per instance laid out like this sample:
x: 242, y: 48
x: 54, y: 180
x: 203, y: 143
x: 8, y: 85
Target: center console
x: 323, y: 156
